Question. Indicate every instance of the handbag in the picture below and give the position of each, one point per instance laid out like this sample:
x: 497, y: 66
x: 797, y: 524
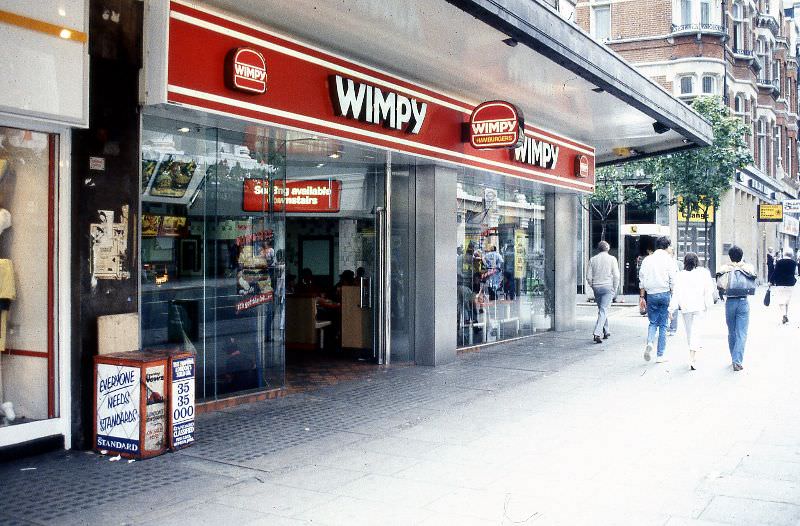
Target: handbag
x: 767, y: 298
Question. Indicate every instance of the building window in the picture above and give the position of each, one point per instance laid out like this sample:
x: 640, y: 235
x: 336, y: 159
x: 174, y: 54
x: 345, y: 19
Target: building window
x: 686, y: 12
x: 602, y: 22
x: 687, y: 85
x: 761, y: 51
x: 788, y: 162
x: 776, y: 148
x: 762, y: 145
x: 738, y: 28
x: 738, y: 104
x: 708, y: 84
x: 705, y: 12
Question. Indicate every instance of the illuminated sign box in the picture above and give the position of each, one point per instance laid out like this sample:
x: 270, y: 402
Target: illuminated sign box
x: 312, y: 196
x: 770, y: 213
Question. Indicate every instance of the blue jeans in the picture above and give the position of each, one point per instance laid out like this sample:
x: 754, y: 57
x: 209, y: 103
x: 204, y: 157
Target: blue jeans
x: 737, y: 316
x: 603, y: 296
x: 657, y: 305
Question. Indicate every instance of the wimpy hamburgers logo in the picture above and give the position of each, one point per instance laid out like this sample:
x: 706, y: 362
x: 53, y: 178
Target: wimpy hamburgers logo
x: 246, y: 70
x: 495, y: 124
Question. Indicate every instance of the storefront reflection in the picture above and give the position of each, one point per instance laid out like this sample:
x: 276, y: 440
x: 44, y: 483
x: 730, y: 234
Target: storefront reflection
x: 500, y: 259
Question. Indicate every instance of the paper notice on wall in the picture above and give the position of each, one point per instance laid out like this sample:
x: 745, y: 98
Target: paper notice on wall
x: 520, y: 253
x: 182, y: 402
x: 117, y: 400
x: 109, y: 242
x: 156, y: 420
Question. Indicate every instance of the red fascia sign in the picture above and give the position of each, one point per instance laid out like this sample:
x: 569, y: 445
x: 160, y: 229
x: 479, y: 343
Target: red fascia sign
x: 309, y: 196
x: 325, y: 94
x: 496, y: 124
x: 246, y: 70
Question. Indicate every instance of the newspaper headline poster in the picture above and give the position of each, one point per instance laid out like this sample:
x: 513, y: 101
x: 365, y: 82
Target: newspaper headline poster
x: 156, y: 418
x: 182, y: 401
x: 118, y: 417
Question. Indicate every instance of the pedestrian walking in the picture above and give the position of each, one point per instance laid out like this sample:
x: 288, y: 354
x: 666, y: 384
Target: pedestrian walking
x: 673, y: 320
x: 783, y: 281
x: 770, y: 264
x: 693, y: 294
x: 656, y: 279
x: 603, y: 277
x: 737, y: 281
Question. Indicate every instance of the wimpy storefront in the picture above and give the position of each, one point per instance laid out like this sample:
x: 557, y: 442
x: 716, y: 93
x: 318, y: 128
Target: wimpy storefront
x: 304, y: 202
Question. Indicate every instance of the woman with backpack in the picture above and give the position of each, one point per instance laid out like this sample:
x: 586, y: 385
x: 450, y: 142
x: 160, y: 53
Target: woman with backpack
x: 782, y: 282
x: 693, y: 294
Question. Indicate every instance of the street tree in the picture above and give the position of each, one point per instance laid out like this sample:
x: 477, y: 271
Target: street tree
x: 700, y: 177
x: 614, y: 186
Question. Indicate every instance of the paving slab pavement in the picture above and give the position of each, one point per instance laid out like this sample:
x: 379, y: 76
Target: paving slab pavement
x: 547, y: 430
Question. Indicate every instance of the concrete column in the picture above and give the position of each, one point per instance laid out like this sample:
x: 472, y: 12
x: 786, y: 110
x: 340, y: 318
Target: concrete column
x: 435, y: 297
x: 560, y: 250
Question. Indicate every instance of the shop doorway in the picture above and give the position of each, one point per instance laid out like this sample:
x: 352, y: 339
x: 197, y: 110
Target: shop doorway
x: 333, y: 253
x: 636, y: 249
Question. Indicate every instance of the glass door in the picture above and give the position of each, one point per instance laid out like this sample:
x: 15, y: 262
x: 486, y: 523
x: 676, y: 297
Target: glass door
x: 334, y: 198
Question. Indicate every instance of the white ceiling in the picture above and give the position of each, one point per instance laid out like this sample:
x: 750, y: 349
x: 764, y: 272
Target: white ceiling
x: 436, y: 44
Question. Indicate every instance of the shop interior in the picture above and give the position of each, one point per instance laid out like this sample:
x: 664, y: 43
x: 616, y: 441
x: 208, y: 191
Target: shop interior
x: 258, y: 253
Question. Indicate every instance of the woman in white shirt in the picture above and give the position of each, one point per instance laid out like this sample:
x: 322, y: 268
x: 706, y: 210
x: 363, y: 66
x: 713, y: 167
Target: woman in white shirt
x: 693, y: 294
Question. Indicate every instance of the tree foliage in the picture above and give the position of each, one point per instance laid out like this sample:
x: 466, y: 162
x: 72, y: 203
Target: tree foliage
x: 701, y: 176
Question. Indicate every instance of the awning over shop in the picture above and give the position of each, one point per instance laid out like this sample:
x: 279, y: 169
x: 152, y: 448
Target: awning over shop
x: 562, y: 79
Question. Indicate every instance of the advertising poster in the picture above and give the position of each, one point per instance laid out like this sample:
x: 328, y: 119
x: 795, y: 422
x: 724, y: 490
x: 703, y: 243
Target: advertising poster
x: 118, y: 416
x: 156, y: 420
x: 182, y: 402
x: 520, y: 253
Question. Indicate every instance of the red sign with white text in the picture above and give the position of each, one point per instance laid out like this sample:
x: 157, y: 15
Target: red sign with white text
x: 246, y: 70
x: 496, y: 124
x: 321, y: 93
x: 312, y: 196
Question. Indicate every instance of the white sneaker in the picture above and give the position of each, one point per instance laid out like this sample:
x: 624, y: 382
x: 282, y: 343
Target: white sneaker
x: 661, y: 359
x: 648, y: 350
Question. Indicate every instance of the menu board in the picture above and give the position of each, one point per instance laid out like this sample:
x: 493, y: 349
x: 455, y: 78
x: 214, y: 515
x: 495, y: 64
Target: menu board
x: 173, y: 177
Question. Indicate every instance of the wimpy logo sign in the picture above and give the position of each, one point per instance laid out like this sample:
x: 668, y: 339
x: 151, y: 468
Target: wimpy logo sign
x: 370, y: 104
x: 537, y: 153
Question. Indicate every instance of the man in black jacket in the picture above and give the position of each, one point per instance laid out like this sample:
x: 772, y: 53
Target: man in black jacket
x: 782, y: 282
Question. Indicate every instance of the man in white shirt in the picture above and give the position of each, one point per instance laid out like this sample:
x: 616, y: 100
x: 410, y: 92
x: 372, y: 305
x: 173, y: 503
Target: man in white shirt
x: 603, y: 277
x: 656, y: 278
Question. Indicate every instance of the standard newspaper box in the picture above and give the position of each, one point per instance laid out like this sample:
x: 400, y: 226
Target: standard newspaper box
x: 181, y: 400
x: 144, y: 402
x: 130, y: 417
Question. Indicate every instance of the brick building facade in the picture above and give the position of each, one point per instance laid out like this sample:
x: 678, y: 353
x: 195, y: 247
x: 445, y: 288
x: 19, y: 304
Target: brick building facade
x: 744, y: 51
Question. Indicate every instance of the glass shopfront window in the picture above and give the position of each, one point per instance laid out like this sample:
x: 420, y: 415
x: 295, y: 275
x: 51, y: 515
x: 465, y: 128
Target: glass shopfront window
x: 28, y: 202
x: 502, y: 291
x: 260, y: 252
x: 212, y: 251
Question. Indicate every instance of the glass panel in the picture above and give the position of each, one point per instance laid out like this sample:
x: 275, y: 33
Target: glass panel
x: 27, y: 230
x: 402, y: 250
x: 501, y: 259
x: 708, y: 84
x: 686, y: 85
x: 212, y: 251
